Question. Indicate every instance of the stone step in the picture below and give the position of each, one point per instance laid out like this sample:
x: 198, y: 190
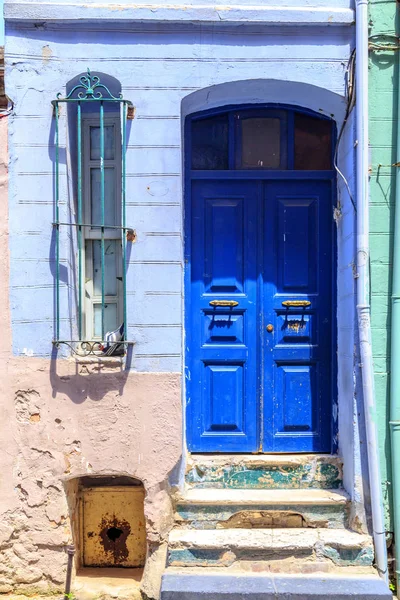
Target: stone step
x: 237, y: 586
x: 225, y: 508
x: 274, y: 471
x: 288, y: 547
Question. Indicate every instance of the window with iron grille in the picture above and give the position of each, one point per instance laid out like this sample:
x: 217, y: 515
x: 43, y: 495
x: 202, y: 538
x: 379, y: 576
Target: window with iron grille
x: 97, y: 121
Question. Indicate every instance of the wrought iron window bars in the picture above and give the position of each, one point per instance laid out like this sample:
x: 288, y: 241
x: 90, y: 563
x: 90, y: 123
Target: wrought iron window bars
x: 90, y: 90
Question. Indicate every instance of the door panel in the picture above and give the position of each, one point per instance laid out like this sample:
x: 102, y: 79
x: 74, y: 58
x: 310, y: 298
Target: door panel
x: 250, y: 387
x: 297, y: 243
x: 296, y: 381
x: 223, y: 399
x: 297, y: 268
x: 223, y: 327
x: 224, y: 245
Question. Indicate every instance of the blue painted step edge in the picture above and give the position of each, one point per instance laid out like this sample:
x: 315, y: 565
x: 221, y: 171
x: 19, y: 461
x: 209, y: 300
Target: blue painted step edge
x: 179, y: 586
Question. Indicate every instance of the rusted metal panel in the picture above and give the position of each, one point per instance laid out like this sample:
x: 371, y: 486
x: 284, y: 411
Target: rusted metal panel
x: 114, y: 532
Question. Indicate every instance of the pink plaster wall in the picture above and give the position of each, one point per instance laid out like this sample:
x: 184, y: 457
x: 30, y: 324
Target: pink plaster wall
x: 67, y: 424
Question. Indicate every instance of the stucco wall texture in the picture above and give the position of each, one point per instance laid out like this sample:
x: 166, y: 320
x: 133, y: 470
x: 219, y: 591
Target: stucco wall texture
x: 73, y: 423
x: 383, y: 91
x: 158, y: 67
x: 69, y: 425
x: 64, y: 418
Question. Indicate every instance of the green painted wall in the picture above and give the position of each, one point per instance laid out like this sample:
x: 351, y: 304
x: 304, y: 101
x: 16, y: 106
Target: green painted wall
x: 383, y: 86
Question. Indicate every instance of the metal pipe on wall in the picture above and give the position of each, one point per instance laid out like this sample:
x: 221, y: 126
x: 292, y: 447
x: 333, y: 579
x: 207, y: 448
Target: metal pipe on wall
x: 394, y: 422
x: 80, y: 220
x: 71, y: 553
x: 363, y: 287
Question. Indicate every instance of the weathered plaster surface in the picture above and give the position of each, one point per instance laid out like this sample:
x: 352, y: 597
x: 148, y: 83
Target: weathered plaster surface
x: 351, y: 412
x: 8, y: 445
x: 70, y: 424
x: 159, y: 68
x: 62, y: 420
x: 66, y: 419
x: 287, y: 13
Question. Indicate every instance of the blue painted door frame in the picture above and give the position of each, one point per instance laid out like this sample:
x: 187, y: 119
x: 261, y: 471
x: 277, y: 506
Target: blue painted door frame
x: 259, y: 374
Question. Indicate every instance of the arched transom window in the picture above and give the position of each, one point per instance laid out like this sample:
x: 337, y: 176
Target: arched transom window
x: 261, y: 138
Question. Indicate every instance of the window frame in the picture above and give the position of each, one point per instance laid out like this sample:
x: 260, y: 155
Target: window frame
x: 256, y: 110
x: 87, y: 95
x: 266, y: 113
x: 90, y: 234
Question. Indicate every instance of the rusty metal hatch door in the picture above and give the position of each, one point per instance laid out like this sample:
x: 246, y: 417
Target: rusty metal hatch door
x: 113, y: 527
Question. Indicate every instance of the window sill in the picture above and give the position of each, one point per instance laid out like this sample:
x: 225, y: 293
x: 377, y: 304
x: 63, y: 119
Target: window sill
x: 96, y: 360
x: 87, y: 352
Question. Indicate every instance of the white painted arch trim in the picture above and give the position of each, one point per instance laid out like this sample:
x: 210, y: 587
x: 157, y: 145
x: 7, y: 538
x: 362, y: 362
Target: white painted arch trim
x: 200, y: 13
x: 262, y: 91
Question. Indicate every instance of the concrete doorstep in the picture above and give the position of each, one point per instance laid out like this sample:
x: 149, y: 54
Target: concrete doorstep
x: 181, y: 586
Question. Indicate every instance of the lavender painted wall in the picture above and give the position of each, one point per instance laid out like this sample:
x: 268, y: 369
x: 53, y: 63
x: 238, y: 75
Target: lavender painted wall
x: 163, y: 69
x: 158, y: 67
x: 167, y: 70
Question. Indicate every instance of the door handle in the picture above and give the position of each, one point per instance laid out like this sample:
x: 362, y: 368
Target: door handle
x: 296, y: 303
x: 230, y: 303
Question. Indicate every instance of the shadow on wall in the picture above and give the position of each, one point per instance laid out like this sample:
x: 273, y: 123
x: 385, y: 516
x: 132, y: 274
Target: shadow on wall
x: 92, y: 379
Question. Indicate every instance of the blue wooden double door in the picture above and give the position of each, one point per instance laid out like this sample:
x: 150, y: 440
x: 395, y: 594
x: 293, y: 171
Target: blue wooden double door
x: 260, y: 317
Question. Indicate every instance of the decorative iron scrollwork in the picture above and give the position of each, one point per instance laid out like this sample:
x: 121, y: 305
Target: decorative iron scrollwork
x: 84, y: 348
x: 90, y: 88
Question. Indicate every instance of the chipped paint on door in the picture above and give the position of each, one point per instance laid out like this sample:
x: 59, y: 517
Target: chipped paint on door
x: 114, y: 531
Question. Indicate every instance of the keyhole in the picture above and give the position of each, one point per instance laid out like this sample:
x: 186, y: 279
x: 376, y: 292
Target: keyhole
x: 114, y: 533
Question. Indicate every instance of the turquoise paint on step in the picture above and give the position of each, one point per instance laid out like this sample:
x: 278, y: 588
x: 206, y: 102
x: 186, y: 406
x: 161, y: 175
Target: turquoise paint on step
x: 190, y: 557
x: 201, y: 558
x: 323, y: 476
x: 355, y: 557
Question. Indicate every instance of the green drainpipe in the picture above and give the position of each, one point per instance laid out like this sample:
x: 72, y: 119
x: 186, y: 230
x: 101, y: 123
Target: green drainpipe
x: 395, y: 362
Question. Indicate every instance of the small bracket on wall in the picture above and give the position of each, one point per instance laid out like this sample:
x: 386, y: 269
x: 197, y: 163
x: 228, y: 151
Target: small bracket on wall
x: 131, y: 235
